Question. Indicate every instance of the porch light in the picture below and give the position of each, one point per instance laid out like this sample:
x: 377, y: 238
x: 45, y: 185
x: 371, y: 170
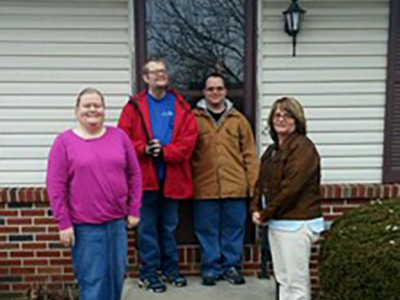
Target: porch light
x: 293, y: 17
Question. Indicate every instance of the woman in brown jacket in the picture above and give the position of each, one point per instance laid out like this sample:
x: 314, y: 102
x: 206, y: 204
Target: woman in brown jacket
x: 287, y: 198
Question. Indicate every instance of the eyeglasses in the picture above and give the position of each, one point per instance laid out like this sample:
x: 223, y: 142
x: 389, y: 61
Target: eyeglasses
x: 217, y: 88
x: 157, y: 72
x: 284, y: 116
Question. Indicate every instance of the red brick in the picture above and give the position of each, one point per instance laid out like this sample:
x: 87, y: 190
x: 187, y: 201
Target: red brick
x: 49, y: 270
x: 343, y: 209
x: 5, y: 287
x: 3, y: 238
x: 48, y: 254
x: 386, y: 190
x: 34, y: 246
x: 47, y: 237
x: 357, y: 201
x: 64, y: 261
x: 36, y: 262
x: 9, y: 229
x: 23, y: 270
x: 8, y: 213
x: 10, y: 262
x: 4, y: 271
x: 68, y: 270
x: 9, y: 246
x: 331, y: 217
x: 395, y: 191
x: 30, y: 195
x: 44, y: 221
x: 338, y: 191
x: 22, y: 254
x: 19, y: 221
x: 22, y: 194
x: 63, y: 278
x: 3, y: 254
x: 13, y: 295
x: 33, y: 229
x: 36, y: 278
x: 35, y: 212
x: 53, y: 229
x: 19, y: 287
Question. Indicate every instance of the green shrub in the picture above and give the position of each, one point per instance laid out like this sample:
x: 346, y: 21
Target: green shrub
x: 360, y: 256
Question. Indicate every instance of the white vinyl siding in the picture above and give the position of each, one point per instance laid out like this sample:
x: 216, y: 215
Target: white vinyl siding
x: 49, y: 51
x: 339, y: 75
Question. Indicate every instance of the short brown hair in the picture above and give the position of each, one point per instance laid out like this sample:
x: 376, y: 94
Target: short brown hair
x: 145, y: 68
x: 295, y: 109
x: 89, y: 90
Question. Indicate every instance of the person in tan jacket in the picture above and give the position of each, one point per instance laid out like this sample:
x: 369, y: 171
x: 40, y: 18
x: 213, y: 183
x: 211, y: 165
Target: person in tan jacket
x: 224, y: 173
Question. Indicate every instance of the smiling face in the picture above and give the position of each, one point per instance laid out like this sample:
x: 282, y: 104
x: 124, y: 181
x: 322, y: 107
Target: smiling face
x: 155, y: 74
x: 90, y: 111
x: 283, y: 122
x: 214, y: 90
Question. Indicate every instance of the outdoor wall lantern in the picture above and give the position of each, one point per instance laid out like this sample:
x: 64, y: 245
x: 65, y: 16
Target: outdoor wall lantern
x: 293, y: 17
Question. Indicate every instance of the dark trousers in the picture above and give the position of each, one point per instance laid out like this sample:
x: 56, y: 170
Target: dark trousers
x: 220, y: 229
x: 156, y: 234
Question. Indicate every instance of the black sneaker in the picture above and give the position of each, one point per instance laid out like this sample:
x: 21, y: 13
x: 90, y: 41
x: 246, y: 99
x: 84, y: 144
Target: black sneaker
x: 208, y: 281
x: 176, y: 279
x: 152, y: 283
x: 233, y: 276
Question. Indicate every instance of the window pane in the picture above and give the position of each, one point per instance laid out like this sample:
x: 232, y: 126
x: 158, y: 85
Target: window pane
x: 198, y: 37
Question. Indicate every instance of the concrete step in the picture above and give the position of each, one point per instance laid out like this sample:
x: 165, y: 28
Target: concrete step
x: 254, y: 289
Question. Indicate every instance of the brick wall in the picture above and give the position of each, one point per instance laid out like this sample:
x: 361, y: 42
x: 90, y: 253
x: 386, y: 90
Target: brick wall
x: 31, y: 253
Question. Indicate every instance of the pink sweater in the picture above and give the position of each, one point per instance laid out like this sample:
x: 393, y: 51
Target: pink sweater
x: 93, y: 181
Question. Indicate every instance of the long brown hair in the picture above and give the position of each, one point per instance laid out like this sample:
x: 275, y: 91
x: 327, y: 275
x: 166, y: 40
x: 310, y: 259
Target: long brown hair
x: 292, y: 107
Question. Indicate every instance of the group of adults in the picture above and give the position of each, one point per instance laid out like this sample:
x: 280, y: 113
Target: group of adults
x: 102, y: 180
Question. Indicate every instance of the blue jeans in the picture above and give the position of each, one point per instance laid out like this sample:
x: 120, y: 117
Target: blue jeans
x: 99, y: 259
x: 156, y: 234
x: 220, y: 227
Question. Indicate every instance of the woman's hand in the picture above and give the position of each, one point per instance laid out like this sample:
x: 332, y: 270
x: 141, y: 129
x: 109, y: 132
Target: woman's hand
x: 67, y: 237
x: 256, y: 217
x: 132, y: 221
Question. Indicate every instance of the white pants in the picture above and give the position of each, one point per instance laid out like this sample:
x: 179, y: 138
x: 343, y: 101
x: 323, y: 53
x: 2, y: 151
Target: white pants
x: 291, y: 257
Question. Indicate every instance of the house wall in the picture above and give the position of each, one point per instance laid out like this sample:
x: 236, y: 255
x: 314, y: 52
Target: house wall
x: 49, y: 51
x: 339, y: 75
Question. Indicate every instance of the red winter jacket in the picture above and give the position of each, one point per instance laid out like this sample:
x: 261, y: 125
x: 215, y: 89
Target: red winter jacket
x: 135, y: 121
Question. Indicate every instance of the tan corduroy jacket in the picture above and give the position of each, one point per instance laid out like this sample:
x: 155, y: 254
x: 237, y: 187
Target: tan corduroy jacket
x: 224, y: 161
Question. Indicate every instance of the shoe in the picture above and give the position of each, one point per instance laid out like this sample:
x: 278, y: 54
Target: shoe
x: 208, y: 281
x: 233, y: 276
x: 176, y: 279
x: 152, y: 283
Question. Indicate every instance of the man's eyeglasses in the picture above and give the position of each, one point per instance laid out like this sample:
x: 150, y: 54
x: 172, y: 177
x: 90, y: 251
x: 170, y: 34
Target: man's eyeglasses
x: 217, y: 88
x: 157, y: 72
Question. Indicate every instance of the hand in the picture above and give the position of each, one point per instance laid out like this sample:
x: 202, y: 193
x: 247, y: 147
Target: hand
x: 256, y: 217
x: 67, y: 237
x: 132, y: 222
x: 153, y: 148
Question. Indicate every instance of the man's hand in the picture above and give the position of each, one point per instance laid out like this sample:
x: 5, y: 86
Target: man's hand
x: 132, y: 222
x: 67, y: 237
x: 256, y: 217
x: 153, y: 148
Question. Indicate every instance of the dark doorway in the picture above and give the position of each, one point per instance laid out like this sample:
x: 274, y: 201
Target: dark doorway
x: 198, y: 37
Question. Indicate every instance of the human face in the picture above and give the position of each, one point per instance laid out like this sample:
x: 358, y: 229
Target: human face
x: 91, y: 111
x: 157, y: 76
x: 215, y: 91
x: 283, y: 121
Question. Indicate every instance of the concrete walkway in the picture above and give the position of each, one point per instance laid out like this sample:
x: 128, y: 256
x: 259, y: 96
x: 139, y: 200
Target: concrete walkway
x: 254, y: 289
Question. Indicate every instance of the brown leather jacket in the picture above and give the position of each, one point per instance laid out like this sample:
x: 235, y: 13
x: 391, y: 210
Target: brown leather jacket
x: 225, y: 161
x: 289, y: 180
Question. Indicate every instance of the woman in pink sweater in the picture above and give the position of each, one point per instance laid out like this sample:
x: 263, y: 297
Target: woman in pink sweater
x: 94, y: 185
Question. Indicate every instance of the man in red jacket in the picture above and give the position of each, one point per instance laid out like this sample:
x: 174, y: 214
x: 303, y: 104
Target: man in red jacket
x: 164, y: 132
